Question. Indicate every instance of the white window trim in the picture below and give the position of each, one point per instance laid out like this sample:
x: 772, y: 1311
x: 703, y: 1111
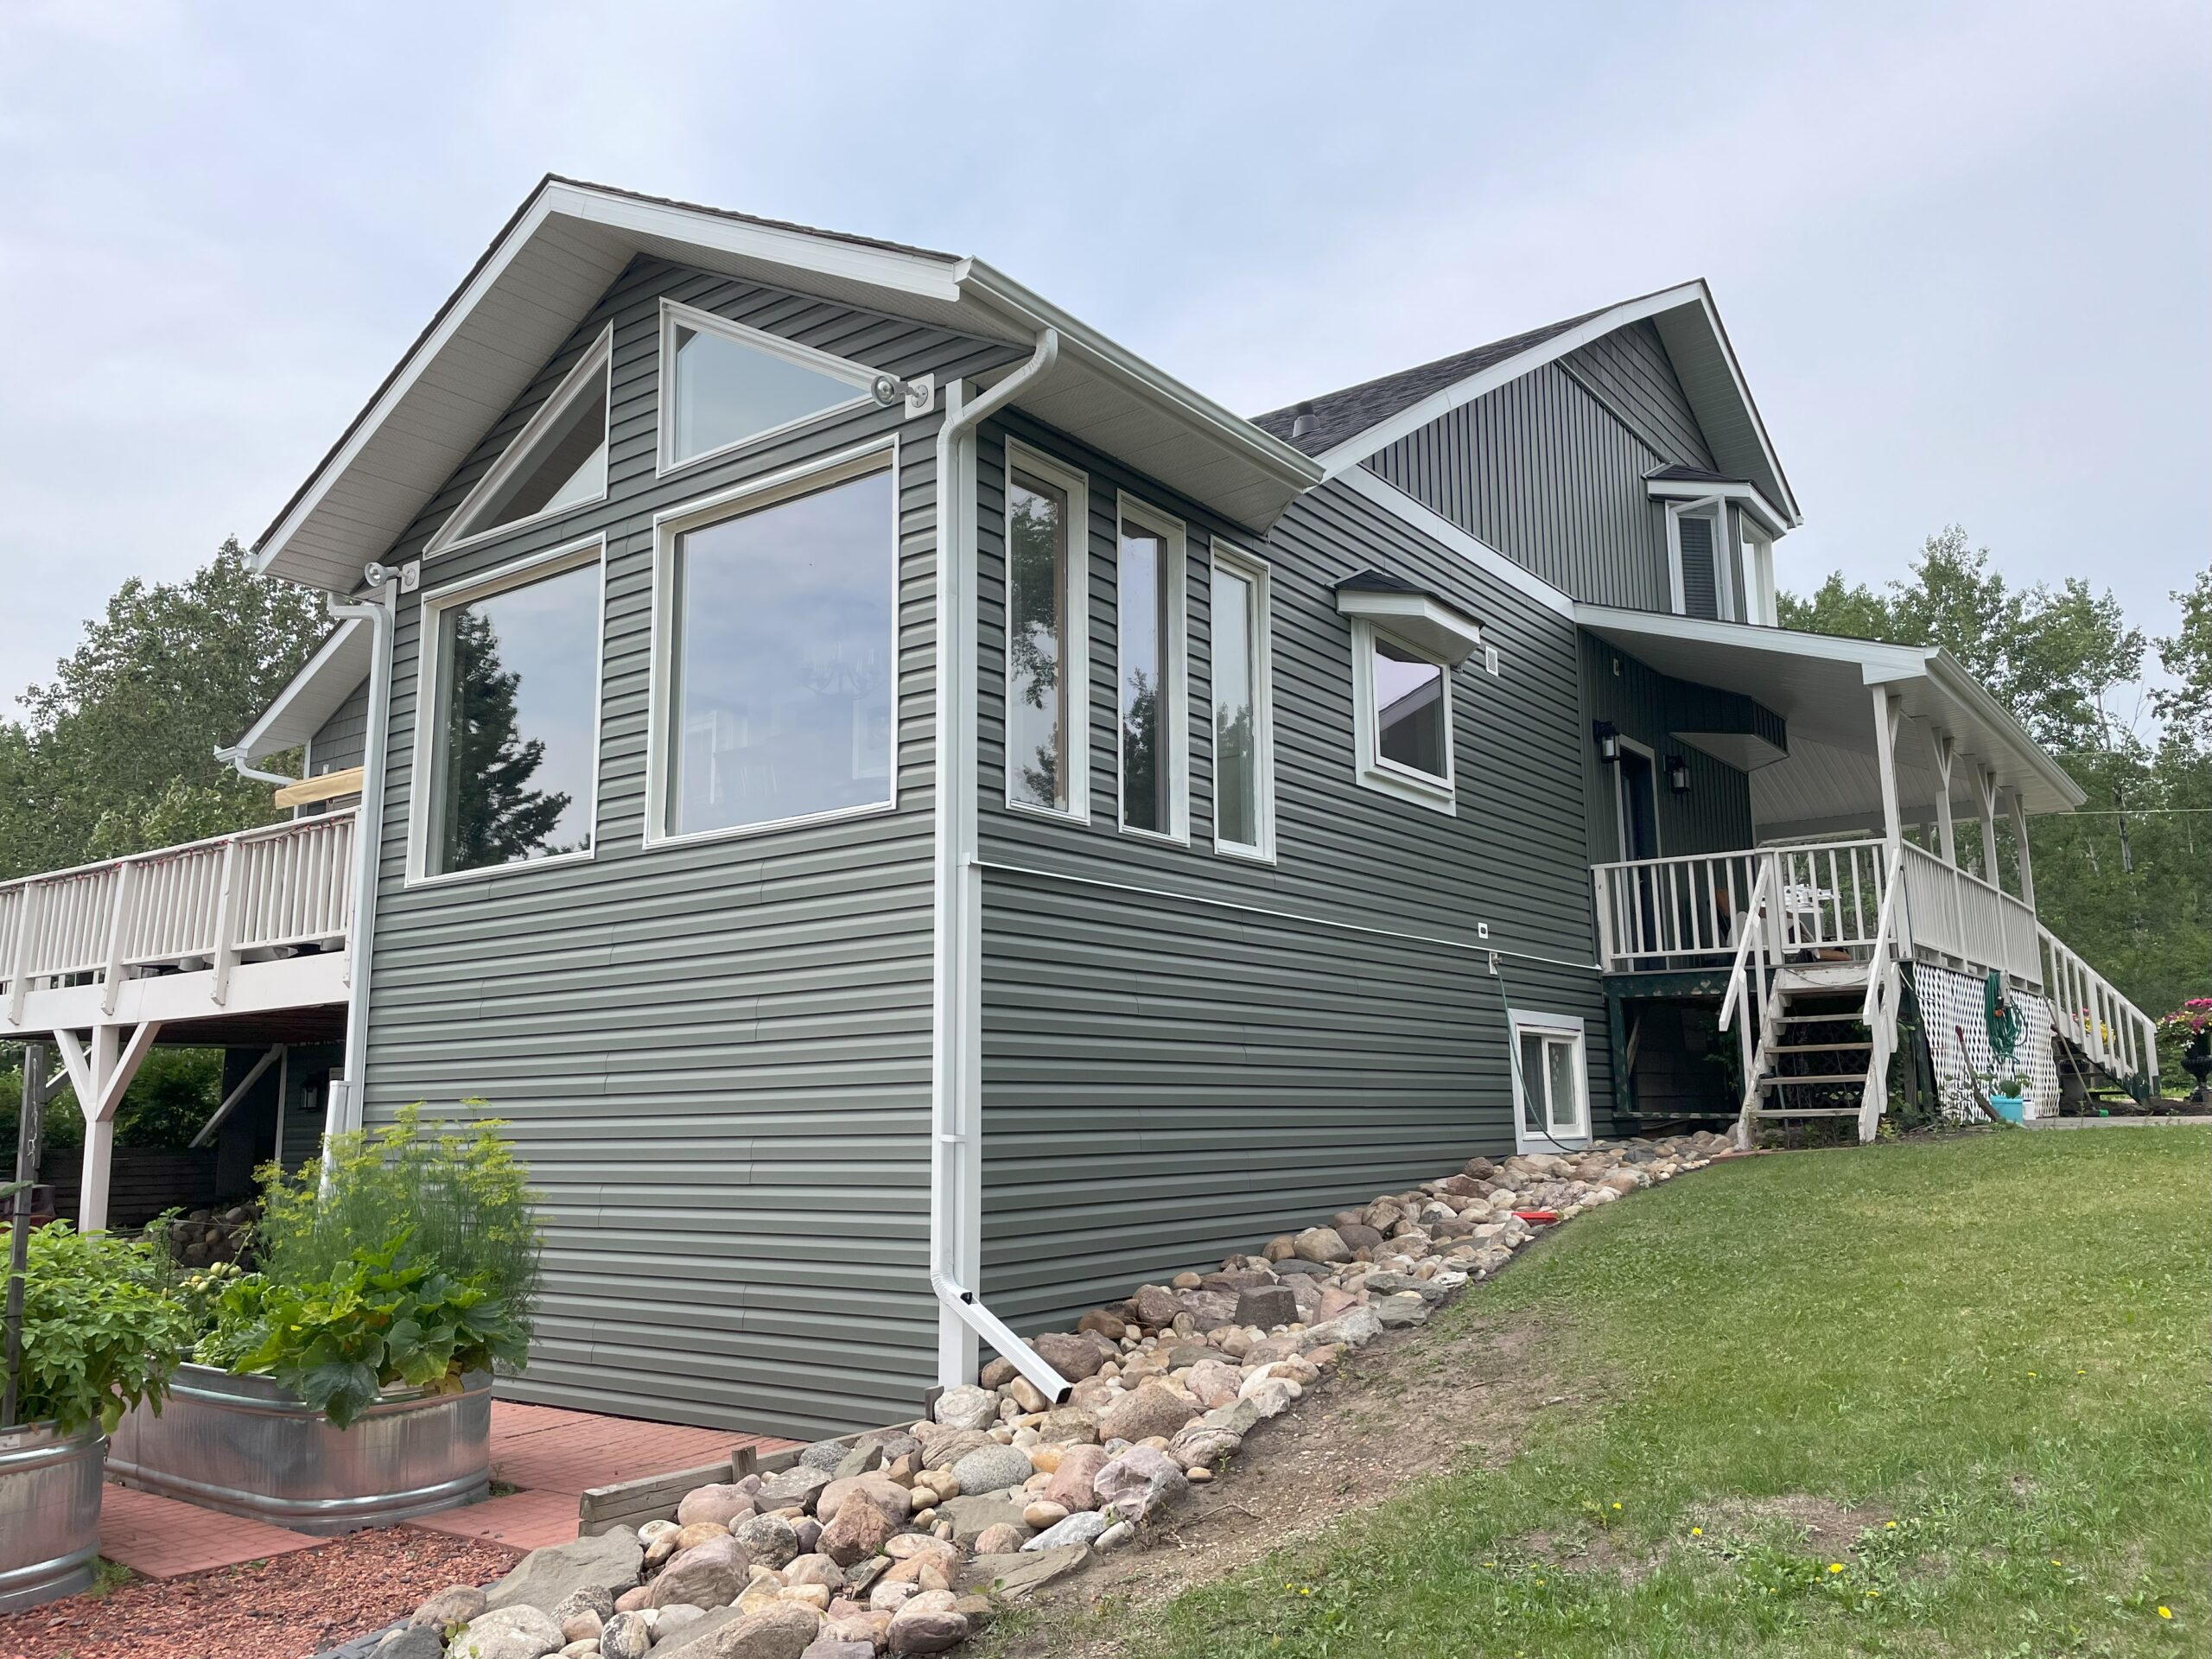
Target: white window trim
x: 429, y: 700
x: 755, y: 494
x: 598, y: 360
x: 1175, y: 656
x: 674, y: 313
x: 1254, y: 570
x: 1757, y: 552
x: 1620, y: 800
x: 1567, y: 1026
x: 1370, y: 769
x: 1075, y: 669
x: 1724, y: 587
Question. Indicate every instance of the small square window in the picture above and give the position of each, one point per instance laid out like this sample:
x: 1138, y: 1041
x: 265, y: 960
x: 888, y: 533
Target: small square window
x: 1555, y: 1087
x: 1402, y: 712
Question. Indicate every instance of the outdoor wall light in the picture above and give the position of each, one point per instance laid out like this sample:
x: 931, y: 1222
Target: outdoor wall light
x: 1609, y: 740
x: 1678, y: 774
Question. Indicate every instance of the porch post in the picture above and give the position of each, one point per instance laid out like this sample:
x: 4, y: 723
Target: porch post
x: 2020, y: 840
x: 1984, y: 783
x: 1885, y: 762
x: 99, y: 1074
x: 1939, y: 741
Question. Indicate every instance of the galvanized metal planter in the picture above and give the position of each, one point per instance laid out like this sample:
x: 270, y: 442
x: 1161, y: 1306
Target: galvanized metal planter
x: 49, y: 1512
x: 245, y: 1446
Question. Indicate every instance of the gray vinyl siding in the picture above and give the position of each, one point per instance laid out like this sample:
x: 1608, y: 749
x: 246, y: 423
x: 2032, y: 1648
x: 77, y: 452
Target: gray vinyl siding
x: 342, y: 740
x: 1186, y: 1052
x: 714, y: 1057
x: 1715, y: 815
x: 1549, y: 469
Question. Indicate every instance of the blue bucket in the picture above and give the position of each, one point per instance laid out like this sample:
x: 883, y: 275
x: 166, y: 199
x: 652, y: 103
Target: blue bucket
x: 2012, y: 1109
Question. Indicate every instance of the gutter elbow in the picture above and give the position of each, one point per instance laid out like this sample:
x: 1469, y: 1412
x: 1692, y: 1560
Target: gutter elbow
x: 1011, y: 1348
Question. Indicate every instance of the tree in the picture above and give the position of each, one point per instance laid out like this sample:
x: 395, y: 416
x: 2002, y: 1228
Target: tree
x: 118, y: 752
x: 2127, y: 879
x: 491, y: 815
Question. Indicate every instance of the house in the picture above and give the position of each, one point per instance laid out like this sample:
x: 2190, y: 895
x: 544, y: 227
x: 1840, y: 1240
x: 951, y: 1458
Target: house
x: 922, y: 821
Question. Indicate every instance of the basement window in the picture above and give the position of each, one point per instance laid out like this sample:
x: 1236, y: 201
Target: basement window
x: 774, y: 698
x: 1552, y: 1080
x: 557, y: 463
x: 725, y: 384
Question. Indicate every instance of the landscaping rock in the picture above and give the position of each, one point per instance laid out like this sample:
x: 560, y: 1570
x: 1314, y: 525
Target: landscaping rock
x: 1070, y: 1484
x: 1154, y: 1410
x: 1353, y: 1328
x: 890, y: 1496
x: 1322, y: 1245
x: 1079, y: 1528
x: 1266, y: 1305
x: 862, y: 1526
x: 783, y: 1632
x: 520, y: 1631
x: 608, y: 1561
x: 928, y: 1623
x: 766, y: 1540
x: 456, y: 1604
x: 723, y: 1504
x: 627, y: 1636
x: 1075, y: 1354
x: 706, y: 1575
x: 1069, y: 1424
x: 1140, y: 1483
x: 992, y: 1469
x: 967, y: 1407
x: 793, y: 1487
x: 971, y: 1516
x: 1002, y: 1539
x: 413, y: 1642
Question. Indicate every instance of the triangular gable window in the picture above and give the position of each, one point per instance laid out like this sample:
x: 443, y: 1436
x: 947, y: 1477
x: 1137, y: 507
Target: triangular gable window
x: 725, y: 384
x: 557, y: 462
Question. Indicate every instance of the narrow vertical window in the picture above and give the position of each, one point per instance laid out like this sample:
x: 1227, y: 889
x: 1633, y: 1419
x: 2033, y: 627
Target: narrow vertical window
x: 1145, y: 713
x: 1242, y: 788
x: 1554, y: 1081
x: 1037, y: 657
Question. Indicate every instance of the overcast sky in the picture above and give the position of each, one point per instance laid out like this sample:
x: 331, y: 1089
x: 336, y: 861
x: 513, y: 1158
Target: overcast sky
x: 1961, y: 249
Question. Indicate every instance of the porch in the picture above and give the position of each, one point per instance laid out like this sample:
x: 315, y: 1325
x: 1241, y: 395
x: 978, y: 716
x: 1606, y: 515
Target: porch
x: 239, y: 942
x: 1861, y: 861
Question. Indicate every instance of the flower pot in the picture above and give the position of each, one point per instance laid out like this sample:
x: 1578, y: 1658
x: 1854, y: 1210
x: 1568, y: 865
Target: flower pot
x: 2196, y: 1060
x: 2014, y: 1108
x: 49, y: 1512
x: 244, y: 1446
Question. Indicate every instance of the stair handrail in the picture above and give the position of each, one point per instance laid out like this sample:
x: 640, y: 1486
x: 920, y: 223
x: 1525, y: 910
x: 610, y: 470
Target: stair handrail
x: 1878, y: 1010
x: 1749, y: 969
x: 2130, y: 1051
x: 1887, y: 932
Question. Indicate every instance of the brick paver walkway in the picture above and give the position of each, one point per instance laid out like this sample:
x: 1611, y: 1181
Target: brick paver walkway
x: 553, y: 1455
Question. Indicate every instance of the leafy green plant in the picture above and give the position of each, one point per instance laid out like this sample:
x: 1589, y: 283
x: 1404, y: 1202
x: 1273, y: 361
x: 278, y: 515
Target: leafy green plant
x: 391, y: 1317
x: 99, y: 1334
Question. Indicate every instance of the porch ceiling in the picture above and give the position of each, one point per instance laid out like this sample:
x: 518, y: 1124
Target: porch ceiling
x: 1819, y: 683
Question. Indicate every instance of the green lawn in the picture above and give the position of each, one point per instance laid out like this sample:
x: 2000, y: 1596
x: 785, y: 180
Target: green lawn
x: 1994, y: 1348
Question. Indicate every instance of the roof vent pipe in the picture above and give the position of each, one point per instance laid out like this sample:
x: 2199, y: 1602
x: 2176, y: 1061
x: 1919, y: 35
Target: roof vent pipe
x: 1304, y: 422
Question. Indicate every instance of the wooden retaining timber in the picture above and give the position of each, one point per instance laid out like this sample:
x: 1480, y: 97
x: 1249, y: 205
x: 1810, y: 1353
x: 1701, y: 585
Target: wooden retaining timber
x: 654, y: 1497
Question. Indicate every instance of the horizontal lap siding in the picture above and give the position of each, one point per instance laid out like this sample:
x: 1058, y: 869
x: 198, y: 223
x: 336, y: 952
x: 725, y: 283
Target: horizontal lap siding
x: 1171, y: 1072
x: 713, y: 1058
x: 342, y: 740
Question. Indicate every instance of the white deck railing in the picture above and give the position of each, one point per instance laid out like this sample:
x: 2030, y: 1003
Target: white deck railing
x: 1688, y: 912
x: 1952, y: 913
x: 2096, y: 1019
x: 204, y: 906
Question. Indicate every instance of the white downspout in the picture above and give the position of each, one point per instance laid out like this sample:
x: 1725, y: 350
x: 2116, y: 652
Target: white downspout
x: 237, y: 757
x: 368, y: 840
x: 956, y: 1093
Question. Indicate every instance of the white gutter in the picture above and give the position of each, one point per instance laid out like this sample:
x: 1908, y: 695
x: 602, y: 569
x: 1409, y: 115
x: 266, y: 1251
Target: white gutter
x: 368, y: 833
x: 956, y: 905
x: 237, y: 757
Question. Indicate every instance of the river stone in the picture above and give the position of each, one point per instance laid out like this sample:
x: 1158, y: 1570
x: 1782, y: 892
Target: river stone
x: 1070, y: 1484
x: 409, y: 1642
x: 1155, y: 1304
x: 890, y: 1496
x: 966, y: 1407
x: 627, y: 1636
x: 1140, y: 1483
x: 766, y: 1540
x: 1154, y: 1408
x: 518, y: 1632
x: 706, y: 1575
x: 795, y: 1486
x: 1353, y: 1328
x: 928, y: 1623
x: 608, y: 1561
x: 1266, y: 1305
x: 456, y: 1604
x: 1003, y: 1539
x: 948, y: 1449
x: 992, y: 1469
x: 971, y: 1516
x: 722, y: 1504
x: 838, y: 1647
x: 1077, y: 1530
x: 782, y: 1632
x: 1074, y: 1354
x: 1322, y: 1244
x: 862, y: 1526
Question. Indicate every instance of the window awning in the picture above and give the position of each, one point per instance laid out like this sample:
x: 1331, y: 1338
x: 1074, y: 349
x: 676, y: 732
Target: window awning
x: 1415, y: 614
x: 1819, y: 684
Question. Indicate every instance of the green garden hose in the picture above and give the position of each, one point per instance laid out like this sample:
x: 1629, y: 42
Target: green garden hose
x: 2000, y: 1017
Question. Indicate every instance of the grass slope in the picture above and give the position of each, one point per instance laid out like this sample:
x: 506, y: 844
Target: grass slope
x: 1991, y: 1348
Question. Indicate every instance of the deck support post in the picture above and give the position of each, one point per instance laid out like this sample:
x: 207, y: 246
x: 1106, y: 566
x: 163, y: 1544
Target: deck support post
x: 1887, y: 712
x: 2020, y: 844
x: 1939, y: 744
x: 100, y: 1071
x: 1985, y: 787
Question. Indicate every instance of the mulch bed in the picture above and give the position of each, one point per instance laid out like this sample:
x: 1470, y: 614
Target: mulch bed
x: 285, y: 1608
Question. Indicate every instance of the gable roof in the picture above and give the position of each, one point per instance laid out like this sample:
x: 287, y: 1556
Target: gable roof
x: 1345, y: 428
x: 333, y: 673
x: 565, y: 245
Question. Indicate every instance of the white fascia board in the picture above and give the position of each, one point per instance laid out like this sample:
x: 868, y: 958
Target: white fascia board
x: 1879, y: 661
x: 1712, y: 316
x: 895, y: 272
x: 343, y: 657
x: 1949, y: 673
x: 1386, y: 432
x: 1433, y: 524
x: 1748, y: 495
x: 1083, y: 344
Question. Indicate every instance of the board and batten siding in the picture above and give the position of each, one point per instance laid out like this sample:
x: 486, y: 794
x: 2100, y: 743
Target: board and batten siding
x: 1186, y: 1052
x: 1549, y: 468
x: 714, y: 1057
x: 1715, y: 815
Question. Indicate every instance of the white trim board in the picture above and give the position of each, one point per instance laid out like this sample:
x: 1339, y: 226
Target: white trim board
x: 1485, y: 558
x: 1226, y: 558
x: 597, y: 361
x: 1074, y: 484
x: 1575, y: 1029
x: 1746, y: 496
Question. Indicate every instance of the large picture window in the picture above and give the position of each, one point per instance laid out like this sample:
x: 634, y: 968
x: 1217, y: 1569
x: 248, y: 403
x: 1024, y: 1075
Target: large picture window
x: 1149, y: 620
x: 508, y: 753
x: 1244, y: 784
x: 1047, y: 663
x: 777, y: 702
